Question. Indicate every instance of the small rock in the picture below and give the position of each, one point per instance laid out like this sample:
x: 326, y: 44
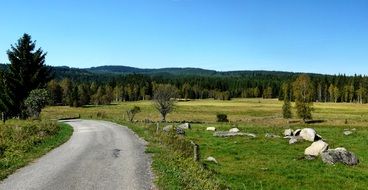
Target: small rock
x: 168, y: 128
x: 347, y: 133
x: 211, y: 159
x: 232, y: 134
x: 270, y: 135
x: 353, y: 129
x: 340, y: 154
x: 211, y: 129
x: 180, y: 131
x: 185, y: 126
x: 234, y: 130
x: 316, y: 148
x: 293, y: 140
x: 288, y: 132
x: 250, y: 135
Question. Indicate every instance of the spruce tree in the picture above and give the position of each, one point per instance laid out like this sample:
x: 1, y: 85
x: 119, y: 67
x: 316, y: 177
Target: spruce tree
x: 27, y: 71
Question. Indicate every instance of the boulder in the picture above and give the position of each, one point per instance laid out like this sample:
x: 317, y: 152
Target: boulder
x: 211, y: 129
x: 308, y: 134
x: 234, y: 130
x: 288, y: 132
x: 340, y: 154
x: 316, y: 148
x: 347, y: 133
x: 211, y: 159
x: 168, y: 128
x: 180, y: 131
x: 184, y: 126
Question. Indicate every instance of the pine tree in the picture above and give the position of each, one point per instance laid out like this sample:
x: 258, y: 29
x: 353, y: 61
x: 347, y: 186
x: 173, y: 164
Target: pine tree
x: 27, y: 71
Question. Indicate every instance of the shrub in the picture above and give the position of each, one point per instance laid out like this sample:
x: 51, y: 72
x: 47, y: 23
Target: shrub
x: 131, y: 112
x: 221, y: 117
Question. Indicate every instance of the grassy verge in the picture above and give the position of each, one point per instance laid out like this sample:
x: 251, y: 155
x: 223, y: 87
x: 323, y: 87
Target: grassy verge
x: 24, y: 141
x: 172, y: 160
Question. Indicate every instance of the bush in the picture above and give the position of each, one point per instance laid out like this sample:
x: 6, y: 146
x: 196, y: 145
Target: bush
x: 131, y: 112
x: 221, y: 117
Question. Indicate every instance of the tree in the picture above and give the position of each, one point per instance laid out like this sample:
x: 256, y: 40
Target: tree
x: 56, y: 92
x: 67, y: 88
x: 37, y: 100
x: 303, y: 93
x: 5, y: 100
x: 163, y: 101
x: 131, y: 112
x: 27, y: 71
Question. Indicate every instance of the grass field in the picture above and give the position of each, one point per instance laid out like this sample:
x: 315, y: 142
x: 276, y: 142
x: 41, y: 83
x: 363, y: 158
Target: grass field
x: 24, y: 141
x: 252, y: 163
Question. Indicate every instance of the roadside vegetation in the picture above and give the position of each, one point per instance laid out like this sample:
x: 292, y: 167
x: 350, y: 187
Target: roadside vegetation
x: 23, y: 141
x: 243, y: 162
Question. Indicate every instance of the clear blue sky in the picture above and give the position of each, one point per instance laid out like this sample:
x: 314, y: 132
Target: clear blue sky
x: 323, y: 36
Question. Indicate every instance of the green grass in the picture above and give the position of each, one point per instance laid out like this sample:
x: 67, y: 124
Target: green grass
x: 24, y: 141
x: 245, y: 163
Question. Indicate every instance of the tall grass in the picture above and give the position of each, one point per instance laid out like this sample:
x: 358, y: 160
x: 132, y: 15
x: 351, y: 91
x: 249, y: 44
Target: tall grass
x: 23, y: 141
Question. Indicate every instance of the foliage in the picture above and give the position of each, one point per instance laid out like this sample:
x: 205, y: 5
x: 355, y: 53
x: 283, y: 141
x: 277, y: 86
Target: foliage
x: 286, y: 109
x: 221, y: 117
x: 23, y: 141
x: 27, y: 71
x: 37, y: 100
x: 303, y: 97
x: 131, y: 112
x: 163, y: 99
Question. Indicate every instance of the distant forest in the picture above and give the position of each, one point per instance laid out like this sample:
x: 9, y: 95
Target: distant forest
x: 101, y: 85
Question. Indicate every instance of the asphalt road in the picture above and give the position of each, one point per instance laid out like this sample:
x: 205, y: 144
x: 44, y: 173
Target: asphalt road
x: 99, y: 155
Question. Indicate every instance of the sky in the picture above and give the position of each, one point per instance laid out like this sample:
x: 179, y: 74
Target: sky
x: 319, y: 36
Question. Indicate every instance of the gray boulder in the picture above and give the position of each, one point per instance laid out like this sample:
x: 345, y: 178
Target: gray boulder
x: 340, y: 154
x: 184, y: 126
x: 168, y: 128
x: 293, y: 140
x: 180, y: 131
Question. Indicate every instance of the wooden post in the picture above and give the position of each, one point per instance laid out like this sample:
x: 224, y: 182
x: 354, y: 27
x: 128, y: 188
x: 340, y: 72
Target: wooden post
x: 196, y: 154
x: 157, y: 127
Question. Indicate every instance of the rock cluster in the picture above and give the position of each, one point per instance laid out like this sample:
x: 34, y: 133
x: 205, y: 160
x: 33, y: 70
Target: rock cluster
x: 321, y: 148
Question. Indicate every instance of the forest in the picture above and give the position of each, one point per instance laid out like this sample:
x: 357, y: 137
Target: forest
x: 78, y: 87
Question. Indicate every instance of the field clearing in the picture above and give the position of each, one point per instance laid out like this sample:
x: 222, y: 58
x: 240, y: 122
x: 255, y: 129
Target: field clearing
x: 257, y: 163
x: 260, y: 111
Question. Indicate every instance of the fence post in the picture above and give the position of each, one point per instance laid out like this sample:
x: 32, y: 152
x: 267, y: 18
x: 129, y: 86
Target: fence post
x: 196, y: 154
x: 157, y: 127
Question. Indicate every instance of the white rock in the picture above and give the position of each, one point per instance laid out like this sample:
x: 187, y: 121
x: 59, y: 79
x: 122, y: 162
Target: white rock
x: 234, y: 130
x: 211, y: 129
x: 316, y: 148
x: 288, y: 132
x: 168, y: 128
x: 185, y: 126
x: 347, y: 133
x: 308, y: 134
x: 211, y: 159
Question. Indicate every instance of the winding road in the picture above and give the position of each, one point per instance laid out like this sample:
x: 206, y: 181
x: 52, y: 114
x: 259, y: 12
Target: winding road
x: 99, y: 155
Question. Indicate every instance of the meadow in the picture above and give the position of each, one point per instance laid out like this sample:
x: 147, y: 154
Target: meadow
x: 244, y: 162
